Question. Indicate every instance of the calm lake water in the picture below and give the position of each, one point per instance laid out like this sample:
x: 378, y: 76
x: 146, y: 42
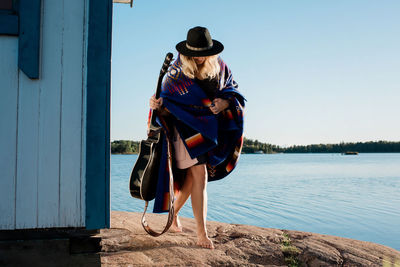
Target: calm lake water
x: 350, y: 196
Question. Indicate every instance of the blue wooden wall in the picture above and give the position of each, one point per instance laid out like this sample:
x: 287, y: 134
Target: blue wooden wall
x: 98, y: 115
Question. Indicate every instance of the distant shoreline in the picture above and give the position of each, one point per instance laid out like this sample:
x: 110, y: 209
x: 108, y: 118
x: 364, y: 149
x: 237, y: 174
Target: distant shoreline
x: 256, y: 147
x: 281, y: 153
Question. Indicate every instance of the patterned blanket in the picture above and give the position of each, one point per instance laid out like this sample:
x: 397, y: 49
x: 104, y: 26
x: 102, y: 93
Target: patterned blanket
x: 220, y: 136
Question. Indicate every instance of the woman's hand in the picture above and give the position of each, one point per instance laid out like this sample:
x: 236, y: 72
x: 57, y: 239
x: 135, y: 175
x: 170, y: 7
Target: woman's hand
x: 219, y: 105
x: 155, y: 104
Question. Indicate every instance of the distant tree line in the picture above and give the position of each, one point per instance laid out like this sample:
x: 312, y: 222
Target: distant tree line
x: 362, y: 147
x: 124, y: 147
x: 255, y: 146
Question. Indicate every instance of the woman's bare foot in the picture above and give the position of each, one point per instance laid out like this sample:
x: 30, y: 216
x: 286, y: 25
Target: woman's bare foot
x: 176, y: 225
x: 205, y: 242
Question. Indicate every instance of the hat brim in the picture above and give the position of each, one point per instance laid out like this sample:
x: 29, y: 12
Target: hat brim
x: 215, y: 49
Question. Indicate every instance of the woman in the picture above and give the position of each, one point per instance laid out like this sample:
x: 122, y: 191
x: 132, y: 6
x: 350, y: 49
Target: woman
x: 205, y: 112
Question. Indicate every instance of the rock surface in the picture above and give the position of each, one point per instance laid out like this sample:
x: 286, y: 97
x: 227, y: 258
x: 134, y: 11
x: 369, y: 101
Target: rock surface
x: 127, y: 244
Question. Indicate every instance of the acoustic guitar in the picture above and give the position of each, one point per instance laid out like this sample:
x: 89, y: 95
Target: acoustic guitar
x: 144, y: 175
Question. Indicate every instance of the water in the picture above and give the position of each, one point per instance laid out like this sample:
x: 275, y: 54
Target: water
x: 350, y: 196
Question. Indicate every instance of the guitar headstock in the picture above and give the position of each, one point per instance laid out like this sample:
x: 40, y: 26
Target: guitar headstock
x: 167, y: 63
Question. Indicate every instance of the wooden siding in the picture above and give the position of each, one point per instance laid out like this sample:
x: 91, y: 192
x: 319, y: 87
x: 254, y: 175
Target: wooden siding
x: 42, y: 139
x: 8, y: 129
x: 27, y: 153
x: 71, y: 120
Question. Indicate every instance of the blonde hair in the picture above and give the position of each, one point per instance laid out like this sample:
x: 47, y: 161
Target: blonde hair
x: 209, y: 70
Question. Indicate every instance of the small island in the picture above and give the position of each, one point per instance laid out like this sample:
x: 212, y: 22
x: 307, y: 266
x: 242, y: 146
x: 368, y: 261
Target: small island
x: 350, y: 153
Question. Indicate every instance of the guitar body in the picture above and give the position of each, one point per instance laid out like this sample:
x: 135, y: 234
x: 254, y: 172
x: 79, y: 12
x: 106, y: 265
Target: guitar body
x: 144, y: 176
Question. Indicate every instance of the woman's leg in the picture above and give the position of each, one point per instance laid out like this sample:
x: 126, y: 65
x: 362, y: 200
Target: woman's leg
x: 183, y: 195
x: 199, y: 203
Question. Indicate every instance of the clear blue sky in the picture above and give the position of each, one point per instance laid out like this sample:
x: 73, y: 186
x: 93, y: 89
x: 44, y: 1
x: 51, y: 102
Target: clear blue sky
x: 312, y: 71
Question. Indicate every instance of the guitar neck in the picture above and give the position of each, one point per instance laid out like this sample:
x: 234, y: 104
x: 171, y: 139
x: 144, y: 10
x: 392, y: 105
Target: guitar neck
x: 164, y: 69
x: 158, y: 90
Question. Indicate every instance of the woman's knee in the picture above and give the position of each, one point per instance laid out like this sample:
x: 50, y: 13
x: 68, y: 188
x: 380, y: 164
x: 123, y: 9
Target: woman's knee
x: 199, y: 173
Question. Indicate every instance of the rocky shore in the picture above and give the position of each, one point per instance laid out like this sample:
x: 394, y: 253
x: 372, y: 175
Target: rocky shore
x: 126, y: 244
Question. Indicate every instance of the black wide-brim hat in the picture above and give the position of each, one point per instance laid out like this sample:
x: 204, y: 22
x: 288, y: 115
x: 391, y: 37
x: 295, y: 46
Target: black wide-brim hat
x: 199, y: 44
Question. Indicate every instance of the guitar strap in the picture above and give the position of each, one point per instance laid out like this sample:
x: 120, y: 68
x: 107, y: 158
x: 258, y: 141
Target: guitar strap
x: 171, y: 212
